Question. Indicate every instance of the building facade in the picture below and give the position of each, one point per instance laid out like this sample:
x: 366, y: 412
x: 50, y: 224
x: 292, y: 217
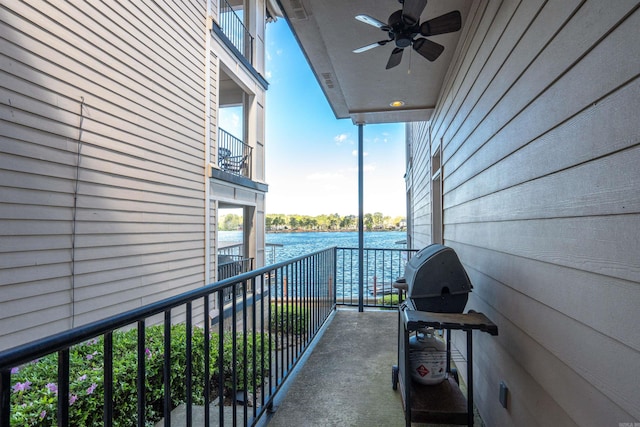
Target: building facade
x: 113, y: 163
x: 528, y: 169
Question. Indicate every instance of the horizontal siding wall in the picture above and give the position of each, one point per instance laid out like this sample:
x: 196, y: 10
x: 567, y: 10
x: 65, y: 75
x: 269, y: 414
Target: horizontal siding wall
x: 106, y: 101
x: 420, y: 208
x: 539, y: 124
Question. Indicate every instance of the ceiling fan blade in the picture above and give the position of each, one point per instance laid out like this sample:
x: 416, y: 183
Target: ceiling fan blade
x: 428, y: 49
x: 371, y: 21
x: 370, y: 46
x: 395, y: 58
x: 447, y: 23
x: 411, y: 11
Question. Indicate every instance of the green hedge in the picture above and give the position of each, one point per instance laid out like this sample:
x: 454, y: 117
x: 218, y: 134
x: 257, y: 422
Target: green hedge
x: 34, y: 394
x: 392, y: 299
x: 289, y: 318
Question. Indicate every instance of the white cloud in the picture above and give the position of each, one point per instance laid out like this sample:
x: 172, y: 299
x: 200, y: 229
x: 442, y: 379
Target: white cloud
x: 355, y: 153
x: 341, y: 138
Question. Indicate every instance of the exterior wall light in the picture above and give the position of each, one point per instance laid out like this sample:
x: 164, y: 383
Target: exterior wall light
x: 397, y: 104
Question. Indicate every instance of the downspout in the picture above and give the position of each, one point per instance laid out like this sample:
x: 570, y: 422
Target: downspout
x: 360, y: 219
x: 207, y: 145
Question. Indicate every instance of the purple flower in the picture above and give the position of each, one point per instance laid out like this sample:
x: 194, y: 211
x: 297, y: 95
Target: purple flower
x: 43, y: 414
x: 89, y: 356
x: 72, y: 399
x: 91, y: 388
x: 52, y: 388
x: 148, y: 353
x: 15, y: 370
x: 82, y: 378
x: 22, y: 386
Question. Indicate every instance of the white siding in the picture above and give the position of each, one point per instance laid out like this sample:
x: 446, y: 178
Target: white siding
x: 539, y: 124
x: 107, y: 98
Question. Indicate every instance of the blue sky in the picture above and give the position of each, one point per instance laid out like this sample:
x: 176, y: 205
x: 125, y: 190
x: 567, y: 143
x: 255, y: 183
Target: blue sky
x: 311, y: 157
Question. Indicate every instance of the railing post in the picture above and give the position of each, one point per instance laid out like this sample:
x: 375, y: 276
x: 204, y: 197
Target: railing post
x: 334, y: 296
x: 108, y: 379
x: 63, y: 387
x: 360, y: 218
x: 5, y: 397
x: 141, y: 375
x: 166, y: 368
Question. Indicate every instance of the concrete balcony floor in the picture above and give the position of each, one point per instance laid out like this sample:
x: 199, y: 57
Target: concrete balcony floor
x: 346, y: 378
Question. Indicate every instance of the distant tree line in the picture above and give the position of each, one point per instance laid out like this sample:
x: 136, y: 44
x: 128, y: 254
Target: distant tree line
x: 332, y: 222
x: 230, y: 222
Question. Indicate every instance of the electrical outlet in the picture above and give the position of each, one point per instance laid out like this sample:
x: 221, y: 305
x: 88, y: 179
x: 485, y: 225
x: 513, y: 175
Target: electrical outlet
x: 504, y: 391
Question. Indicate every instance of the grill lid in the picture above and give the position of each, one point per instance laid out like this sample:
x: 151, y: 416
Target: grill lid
x: 436, y: 271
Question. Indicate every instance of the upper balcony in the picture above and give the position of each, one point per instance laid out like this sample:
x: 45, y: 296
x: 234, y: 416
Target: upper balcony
x: 234, y: 156
x: 233, y: 29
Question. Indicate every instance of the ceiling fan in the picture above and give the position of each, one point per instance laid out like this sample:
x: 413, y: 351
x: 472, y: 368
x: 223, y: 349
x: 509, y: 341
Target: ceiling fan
x: 404, y: 27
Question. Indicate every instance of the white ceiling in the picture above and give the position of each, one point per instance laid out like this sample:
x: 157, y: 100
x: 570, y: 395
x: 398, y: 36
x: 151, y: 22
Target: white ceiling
x: 358, y: 85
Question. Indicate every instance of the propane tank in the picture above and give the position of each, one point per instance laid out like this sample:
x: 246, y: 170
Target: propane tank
x: 427, y: 357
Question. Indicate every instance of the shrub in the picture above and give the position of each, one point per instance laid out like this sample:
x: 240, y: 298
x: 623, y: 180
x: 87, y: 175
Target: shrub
x: 390, y: 300
x: 35, y: 392
x: 228, y: 365
x: 289, y: 318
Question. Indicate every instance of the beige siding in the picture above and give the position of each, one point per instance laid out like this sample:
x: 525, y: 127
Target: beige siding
x: 106, y: 99
x: 541, y: 141
x: 420, y: 208
x: 213, y: 265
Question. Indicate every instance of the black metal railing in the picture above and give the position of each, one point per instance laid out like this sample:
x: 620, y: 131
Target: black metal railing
x: 234, y: 29
x: 381, y: 268
x: 233, y: 249
x: 234, y: 156
x: 233, y: 265
x: 237, y: 249
x: 192, y: 350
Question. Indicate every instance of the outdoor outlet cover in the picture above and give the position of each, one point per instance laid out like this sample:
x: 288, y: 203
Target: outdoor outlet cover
x: 504, y: 390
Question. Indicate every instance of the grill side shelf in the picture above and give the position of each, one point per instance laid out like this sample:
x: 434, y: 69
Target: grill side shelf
x: 472, y: 320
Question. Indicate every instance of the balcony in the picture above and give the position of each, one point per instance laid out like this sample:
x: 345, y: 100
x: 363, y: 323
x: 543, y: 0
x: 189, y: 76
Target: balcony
x: 224, y: 354
x: 234, y: 32
x: 234, y: 156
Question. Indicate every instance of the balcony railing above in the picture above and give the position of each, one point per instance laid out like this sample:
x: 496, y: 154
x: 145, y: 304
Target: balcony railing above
x: 234, y: 156
x: 233, y: 28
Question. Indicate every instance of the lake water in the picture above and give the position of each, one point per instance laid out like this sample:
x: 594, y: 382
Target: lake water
x: 381, y: 267
x: 297, y: 244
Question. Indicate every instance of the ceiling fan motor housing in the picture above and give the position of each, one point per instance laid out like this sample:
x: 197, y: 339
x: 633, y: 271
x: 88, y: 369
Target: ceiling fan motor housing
x: 400, y: 31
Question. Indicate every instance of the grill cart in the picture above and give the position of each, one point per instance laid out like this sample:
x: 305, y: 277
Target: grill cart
x: 437, y: 288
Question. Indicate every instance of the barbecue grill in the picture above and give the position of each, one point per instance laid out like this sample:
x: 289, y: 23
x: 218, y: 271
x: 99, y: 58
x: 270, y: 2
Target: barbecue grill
x: 437, y: 289
x: 436, y: 280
